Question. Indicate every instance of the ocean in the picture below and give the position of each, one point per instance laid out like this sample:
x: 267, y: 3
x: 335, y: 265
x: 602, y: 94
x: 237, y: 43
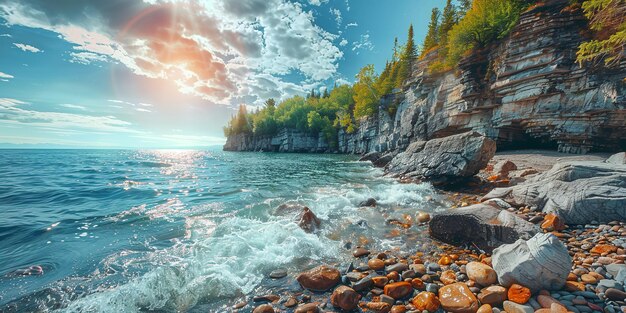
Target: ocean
x: 185, y: 230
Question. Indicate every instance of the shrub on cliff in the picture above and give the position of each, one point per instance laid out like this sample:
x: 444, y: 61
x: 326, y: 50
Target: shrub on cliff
x: 608, y: 19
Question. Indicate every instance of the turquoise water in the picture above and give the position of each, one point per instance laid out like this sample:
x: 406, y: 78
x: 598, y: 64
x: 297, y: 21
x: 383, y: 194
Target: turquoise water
x: 169, y: 230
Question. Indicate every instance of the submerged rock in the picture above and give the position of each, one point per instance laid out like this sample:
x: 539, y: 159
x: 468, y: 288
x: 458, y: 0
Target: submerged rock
x: 578, y: 192
x: 481, y: 224
x: 370, y: 202
x: 444, y: 160
x: 308, y: 221
x: 542, y: 262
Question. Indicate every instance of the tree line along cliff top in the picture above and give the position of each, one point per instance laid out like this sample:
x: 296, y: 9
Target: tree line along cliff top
x: 453, y: 33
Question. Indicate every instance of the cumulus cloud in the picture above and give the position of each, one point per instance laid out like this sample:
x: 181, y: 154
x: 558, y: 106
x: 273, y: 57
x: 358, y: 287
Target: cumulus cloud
x: 343, y: 42
x: 27, y: 48
x: 224, y: 51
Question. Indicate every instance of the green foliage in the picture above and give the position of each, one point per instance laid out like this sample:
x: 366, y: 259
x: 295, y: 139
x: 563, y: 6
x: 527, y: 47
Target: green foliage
x: 365, y: 97
x: 240, y: 123
x: 448, y: 20
x: 608, y: 19
x: 486, y: 22
x: 432, y: 36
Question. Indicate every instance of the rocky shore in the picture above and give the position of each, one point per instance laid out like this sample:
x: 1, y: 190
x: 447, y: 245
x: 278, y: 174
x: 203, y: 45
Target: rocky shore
x: 558, y: 246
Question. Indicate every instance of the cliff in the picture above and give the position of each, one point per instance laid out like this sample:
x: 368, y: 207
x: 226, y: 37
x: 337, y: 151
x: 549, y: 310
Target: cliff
x: 524, y: 91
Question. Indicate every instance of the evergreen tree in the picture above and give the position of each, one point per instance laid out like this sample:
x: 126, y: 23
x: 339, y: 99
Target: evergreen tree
x: 326, y: 94
x: 608, y: 19
x: 270, y: 104
x: 448, y: 19
x: 432, y: 36
x: 406, y: 60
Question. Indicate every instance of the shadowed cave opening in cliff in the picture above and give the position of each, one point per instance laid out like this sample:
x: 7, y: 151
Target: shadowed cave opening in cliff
x: 516, y: 138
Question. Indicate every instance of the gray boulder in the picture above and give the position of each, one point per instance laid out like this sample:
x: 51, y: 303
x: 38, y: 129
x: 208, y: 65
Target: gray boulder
x: 618, y: 158
x: 445, y: 159
x: 542, y: 262
x: 579, y: 192
x: 484, y: 225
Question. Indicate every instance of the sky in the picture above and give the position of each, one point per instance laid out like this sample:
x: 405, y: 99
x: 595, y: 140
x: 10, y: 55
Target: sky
x: 170, y: 73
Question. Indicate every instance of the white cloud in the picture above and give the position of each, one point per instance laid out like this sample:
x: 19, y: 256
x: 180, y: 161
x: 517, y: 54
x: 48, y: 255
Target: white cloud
x: 337, y: 14
x: 10, y: 112
x: 6, y: 35
x: 142, y: 110
x: 363, y: 43
x: 73, y: 106
x: 343, y: 42
x: 27, y: 48
x: 220, y: 50
x: 353, y: 24
x: 317, y: 2
x: 87, y: 57
x: 347, y: 5
x: 8, y: 102
x: 145, y: 104
x: 5, y: 76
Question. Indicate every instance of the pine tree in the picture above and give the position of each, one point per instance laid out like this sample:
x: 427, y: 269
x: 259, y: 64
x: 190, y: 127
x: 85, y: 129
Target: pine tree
x: 406, y: 60
x: 409, y: 49
x: 432, y: 36
x: 326, y: 94
x: 447, y: 22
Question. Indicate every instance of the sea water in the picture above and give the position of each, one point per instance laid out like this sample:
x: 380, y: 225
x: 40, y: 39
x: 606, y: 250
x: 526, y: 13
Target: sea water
x: 185, y: 230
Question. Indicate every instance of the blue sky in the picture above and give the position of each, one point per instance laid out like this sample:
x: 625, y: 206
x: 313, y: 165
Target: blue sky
x: 169, y: 73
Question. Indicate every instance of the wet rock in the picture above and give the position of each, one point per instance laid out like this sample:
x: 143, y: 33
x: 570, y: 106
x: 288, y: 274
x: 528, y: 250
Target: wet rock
x: 372, y: 156
x: 307, y: 308
x: 503, y: 168
x: 600, y: 249
x: 398, y: 290
x: 481, y: 224
x: 552, y: 222
x: 308, y: 221
x: 359, y: 252
x: 320, y: 278
x: 457, y: 298
x: 291, y: 302
x: 263, y: 308
x: 423, y: 217
x: 345, y: 298
x: 378, y: 307
x: 512, y: 307
x: 426, y: 301
x: 615, y: 294
x: 278, y: 273
x: 448, y: 277
x: 398, y: 267
x: 485, y: 308
x: 376, y: 264
x: 444, y: 160
x: 481, y: 273
x: 518, y: 294
x: 266, y: 298
x: 370, y: 202
x: 493, y: 295
x: 398, y: 309
x: 363, y: 284
x: 380, y: 281
x: 578, y: 192
x: 542, y: 262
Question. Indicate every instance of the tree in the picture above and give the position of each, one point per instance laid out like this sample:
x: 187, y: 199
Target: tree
x: 406, y: 60
x: 448, y: 19
x: 325, y: 94
x: 485, y: 22
x: 608, y: 19
x: 365, y: 97
x: 432, y: 36
x: 270, y: 104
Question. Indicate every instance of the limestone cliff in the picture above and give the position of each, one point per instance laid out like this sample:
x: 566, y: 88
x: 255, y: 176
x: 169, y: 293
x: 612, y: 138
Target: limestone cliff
x: 524, y: 91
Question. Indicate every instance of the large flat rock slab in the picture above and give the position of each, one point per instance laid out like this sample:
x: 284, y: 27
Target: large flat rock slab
x: 578, y: 192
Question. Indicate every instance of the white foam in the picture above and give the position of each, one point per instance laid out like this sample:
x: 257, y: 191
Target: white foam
x: 231, y: 262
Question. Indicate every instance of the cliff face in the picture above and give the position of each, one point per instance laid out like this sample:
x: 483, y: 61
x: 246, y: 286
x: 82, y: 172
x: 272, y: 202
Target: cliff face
x: 525, y: 91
